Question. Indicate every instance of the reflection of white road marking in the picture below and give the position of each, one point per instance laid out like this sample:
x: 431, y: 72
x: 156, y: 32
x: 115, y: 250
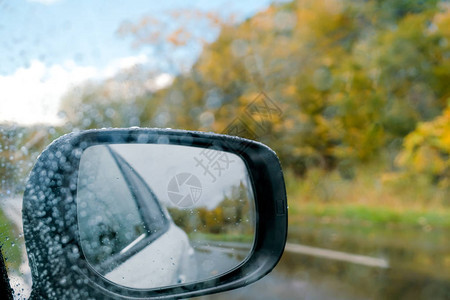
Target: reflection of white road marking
x: 337, y: 255
x: 230, y: 247
x: 221, y: 250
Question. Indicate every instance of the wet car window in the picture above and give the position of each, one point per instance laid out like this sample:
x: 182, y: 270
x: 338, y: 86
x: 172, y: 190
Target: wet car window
x: 107, y: 209
x: 353, y: 96
x: 148, y: 203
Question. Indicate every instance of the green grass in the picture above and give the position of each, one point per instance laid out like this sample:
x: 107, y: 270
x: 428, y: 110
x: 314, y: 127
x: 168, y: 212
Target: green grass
x: 9, y: 243
x: 376, y: 195
x: 370, y: 216
x: 377, y: 213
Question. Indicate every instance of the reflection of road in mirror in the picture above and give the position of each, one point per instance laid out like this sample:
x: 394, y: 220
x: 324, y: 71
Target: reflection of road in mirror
x: 217, y: 257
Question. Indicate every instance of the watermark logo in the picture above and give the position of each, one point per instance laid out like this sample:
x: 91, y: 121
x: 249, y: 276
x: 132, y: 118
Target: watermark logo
x: 213, y: 162
x: 184, y: 190
x: 255, y: 122
x: 256, y: 119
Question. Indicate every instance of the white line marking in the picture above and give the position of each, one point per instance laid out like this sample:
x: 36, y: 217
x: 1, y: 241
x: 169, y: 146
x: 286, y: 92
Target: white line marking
x: 337, y: 255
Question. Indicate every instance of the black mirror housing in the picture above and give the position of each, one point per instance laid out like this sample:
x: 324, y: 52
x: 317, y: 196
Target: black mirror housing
x: 59, y: 269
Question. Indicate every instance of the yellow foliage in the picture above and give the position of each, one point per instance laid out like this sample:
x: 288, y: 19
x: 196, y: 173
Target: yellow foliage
x: 427, y: 149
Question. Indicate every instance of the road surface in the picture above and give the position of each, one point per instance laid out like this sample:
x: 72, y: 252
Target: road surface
x: 215, y: 258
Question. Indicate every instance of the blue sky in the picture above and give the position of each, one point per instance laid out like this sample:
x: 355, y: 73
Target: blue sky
x: 84, y: 30
x: 49, y: 46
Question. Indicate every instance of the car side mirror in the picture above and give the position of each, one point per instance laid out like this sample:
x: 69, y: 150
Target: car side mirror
x: 142, y: 213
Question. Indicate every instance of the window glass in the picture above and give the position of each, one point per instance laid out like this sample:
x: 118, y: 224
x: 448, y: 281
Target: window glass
x: 353, y: 96
x: 109, y: 218
x: 154, y: 217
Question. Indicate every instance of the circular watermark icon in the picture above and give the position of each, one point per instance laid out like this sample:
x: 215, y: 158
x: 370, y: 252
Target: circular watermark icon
x: 184, y: 190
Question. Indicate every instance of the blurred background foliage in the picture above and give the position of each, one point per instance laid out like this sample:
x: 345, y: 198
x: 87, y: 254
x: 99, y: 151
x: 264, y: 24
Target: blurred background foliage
x: 364, y: 130
x: 358, y: 88
x: 356, y: 83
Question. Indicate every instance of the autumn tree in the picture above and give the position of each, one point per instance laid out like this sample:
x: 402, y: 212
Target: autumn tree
x: 121, y: 101
x: 350, y: 80
x: 427, y: 151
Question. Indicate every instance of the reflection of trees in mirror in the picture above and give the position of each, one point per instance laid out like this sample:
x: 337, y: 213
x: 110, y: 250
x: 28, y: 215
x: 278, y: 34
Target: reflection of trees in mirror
x: 231, y: 220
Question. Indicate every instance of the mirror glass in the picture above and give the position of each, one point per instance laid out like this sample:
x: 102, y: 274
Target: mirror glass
x: 154, y: 215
